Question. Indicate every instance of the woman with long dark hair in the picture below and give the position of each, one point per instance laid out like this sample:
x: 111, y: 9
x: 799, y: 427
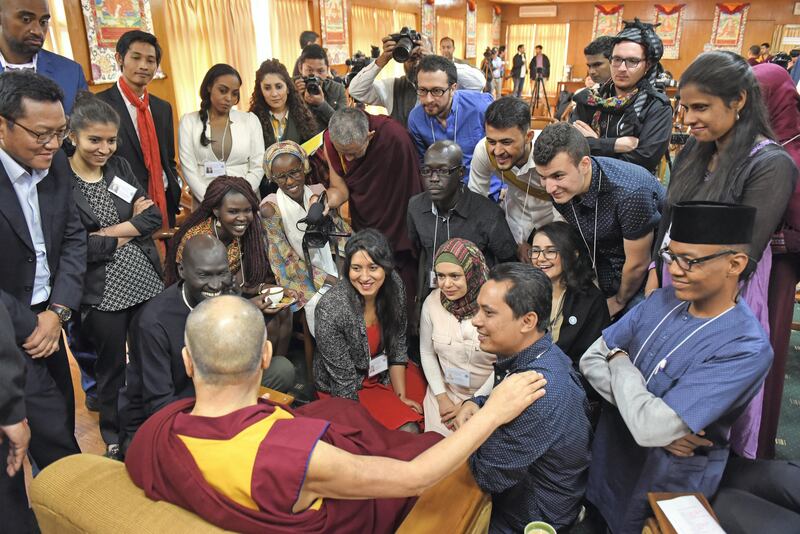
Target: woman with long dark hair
x: 219, y: 140
x: 229, y: 212
x: 731, y: 157
x: 579, y: 311
x: 361, y: 337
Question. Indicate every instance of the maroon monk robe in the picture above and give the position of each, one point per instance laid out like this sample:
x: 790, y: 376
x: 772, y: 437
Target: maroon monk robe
x: 381, y: 184
x: 160, y: 463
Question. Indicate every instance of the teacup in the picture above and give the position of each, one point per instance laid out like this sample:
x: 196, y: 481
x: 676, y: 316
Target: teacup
x: 274, y: 295
x: 539, y: 527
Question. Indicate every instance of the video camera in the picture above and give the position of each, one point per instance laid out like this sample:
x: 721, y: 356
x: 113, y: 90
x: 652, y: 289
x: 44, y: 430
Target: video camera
x: 404, y: 44
x: 358, y: 62
x: 320, y: 230
x: 313, y: 85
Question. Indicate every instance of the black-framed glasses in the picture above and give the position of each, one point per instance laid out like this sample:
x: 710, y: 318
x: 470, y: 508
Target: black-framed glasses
x: 294, y: 174
x: 42, y: 138
x: 427, y: 172
x: 630, y: 62
x: 685, y: 263
x: 548, y: 253
x: 436, y: 91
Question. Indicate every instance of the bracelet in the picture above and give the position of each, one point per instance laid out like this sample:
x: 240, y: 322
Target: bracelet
x: 613, y: 353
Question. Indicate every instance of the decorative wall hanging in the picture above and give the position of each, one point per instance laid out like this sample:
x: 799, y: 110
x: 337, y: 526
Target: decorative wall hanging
x: 333, y: 21
x: 607, y: 19
x: 496, y: 25
x: 669, y: 17
x: 106, y: 21
x: 428, y: 19
x: 472, y: 29
x: 727, y: 32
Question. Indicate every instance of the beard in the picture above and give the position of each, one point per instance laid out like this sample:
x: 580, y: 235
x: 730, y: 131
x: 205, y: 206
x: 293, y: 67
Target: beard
x: 21, y: 48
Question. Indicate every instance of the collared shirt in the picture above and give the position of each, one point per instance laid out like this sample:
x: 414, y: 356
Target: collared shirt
x: 134, y: 113
x: 464, y: 124
x: 627, y: 205
x: 474, y: 217
x: 524, y: 211
x: 278, y: 124
x: 31, y: 65
x: 535, y: 467
x: 25, y: 184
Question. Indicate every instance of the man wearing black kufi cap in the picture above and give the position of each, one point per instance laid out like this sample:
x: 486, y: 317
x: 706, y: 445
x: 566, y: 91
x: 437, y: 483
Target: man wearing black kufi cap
x: 677, y: 370
x: 627, y: 118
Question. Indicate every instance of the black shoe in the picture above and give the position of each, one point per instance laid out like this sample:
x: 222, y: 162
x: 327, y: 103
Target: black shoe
x: 91, y: 404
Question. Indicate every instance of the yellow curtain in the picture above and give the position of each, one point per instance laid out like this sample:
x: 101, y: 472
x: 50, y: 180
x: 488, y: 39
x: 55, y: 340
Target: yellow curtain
x: 201, y: 33
x: 57, y: 38
x: 373, y: 25
x: 289, y: 19
x: 484, y: 39
x: 517, y: 34
x: 453, y: 28
x: 554, y: 39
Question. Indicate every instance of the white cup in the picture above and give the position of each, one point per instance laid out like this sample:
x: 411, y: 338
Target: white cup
x: 275, y: 295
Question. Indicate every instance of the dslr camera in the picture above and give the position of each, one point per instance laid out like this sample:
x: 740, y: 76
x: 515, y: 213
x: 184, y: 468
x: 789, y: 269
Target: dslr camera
x: 358, y: 62
x: 405, y: 44
x: 313, y: 85
x: 319, y: 232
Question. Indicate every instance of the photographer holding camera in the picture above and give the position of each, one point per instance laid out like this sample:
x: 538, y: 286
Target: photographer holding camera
x: 398, y: 95
x: 321, y: 93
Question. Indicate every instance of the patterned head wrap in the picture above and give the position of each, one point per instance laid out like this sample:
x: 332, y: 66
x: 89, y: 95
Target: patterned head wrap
x: 285, y: 147
x: 469, y: 257
x: 644, y: 34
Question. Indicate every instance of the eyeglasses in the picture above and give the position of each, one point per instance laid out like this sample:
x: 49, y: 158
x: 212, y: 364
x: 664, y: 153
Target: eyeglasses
x: 630, y: 62
x: 294, y: 174
x: 436, y: 91
x: 42, y: 138
x: 685, y: 263
x: 427, y: 172
x: 549, y: 253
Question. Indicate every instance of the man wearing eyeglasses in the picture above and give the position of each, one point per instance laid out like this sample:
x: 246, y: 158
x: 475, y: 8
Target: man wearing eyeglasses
x: 444, y: 113
x: 627, y: 117
x: 677, y: 371
x: 44, y: 258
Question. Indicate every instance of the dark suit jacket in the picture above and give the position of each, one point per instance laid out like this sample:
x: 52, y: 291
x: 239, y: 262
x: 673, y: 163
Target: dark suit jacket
x: 64, y: 237
x: 516, y: 65
x: 130, y: 148
x: 12, y: 373
x: 101, y: 249
x: 589, y: 311
x: 65, y: 72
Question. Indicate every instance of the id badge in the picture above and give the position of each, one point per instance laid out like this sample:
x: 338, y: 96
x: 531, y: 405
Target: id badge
x: 457, y: 377
x: 433, y: 284
x: 378, y: 364
x: 122, y: 189
x: 214, y: 168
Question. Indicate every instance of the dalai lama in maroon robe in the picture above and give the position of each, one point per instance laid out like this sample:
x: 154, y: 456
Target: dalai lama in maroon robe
x: 249, y: 466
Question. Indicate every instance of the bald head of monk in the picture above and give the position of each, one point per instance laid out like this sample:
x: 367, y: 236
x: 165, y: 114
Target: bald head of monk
x: 204, y: 269
x: 226, y: 344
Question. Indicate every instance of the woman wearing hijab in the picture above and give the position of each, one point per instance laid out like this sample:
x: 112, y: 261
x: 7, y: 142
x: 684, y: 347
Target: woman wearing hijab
x: 783, y: 105
x: 286, y: 164
x: 455, y: 367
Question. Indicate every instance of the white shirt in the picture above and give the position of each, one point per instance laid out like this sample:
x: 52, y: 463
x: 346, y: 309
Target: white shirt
x: 245, y: 159
x: 134, y: 113
x: 30, y: 65
x: 524, y: 212
x: 498, y: 66
x: 365, y: 88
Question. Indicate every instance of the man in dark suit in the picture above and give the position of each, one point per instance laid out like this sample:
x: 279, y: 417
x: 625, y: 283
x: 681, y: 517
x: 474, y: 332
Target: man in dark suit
x: 44, y: 253
x: 146, y: 134
x: 539, y: 61
x: 518, y: 70
x: 23, y: 27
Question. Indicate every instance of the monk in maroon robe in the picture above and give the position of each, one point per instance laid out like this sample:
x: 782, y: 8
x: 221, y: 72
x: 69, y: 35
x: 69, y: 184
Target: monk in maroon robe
x: 250, y: 466
x: 373, y: 164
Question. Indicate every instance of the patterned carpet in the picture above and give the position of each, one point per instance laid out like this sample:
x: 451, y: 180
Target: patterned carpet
x: 787, y: 446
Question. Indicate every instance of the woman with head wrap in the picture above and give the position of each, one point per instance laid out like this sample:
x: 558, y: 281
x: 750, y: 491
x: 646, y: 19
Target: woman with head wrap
x: 783, y: 105
x: 627, y: 118
x: 286, y: 165
x: 455, y: 367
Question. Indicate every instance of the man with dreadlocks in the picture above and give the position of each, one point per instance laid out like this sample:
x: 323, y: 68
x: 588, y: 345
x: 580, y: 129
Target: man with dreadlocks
x: 627, y: 117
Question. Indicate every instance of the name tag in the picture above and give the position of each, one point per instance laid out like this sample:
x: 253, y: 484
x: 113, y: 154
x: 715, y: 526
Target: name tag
x: 122, y: 189
x: 457, y: 377
x: 214, y: 168
x: 378, y: 364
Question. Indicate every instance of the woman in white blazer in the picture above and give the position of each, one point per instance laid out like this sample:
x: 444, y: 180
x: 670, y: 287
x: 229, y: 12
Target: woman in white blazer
x: 219, y: 140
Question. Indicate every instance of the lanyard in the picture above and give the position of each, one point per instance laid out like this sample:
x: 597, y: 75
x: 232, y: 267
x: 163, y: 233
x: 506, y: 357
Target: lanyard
x: 663, y: 363
x: 455, y: 128
x: 578, y: 223
x: 436, y: 218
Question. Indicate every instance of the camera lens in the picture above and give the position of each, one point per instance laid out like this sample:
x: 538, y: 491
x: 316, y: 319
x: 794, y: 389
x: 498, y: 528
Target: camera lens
x: 402, y: 50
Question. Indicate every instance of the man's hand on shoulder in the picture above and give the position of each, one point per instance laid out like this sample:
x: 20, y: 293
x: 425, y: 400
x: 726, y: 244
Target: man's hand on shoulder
x: 514, y: 394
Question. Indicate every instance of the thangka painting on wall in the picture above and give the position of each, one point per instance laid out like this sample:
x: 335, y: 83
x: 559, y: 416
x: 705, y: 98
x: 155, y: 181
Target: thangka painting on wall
x: 428, y: 19
x: 334, y: 30
x: 669, y: 18
x: 607, y: 19
x: 472, y: 29
x: 727, y: 33
x: 106, y: 21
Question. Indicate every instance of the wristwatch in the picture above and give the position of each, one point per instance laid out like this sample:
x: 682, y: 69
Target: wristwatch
x: 63, y: 312
x: 614, y: 352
